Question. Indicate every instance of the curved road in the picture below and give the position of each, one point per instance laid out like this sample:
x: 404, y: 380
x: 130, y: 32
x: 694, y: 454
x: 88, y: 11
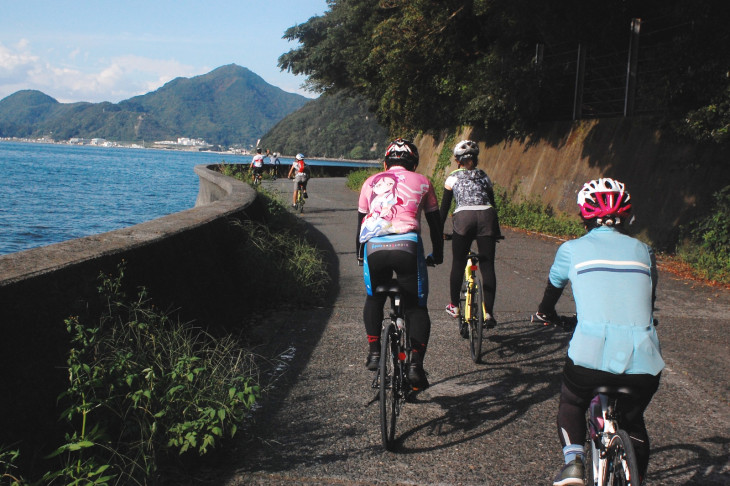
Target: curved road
x: 492, y: 423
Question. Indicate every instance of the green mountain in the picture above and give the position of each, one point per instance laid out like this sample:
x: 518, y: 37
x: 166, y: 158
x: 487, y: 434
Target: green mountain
x: 230, y: 105
x: 333, y: 126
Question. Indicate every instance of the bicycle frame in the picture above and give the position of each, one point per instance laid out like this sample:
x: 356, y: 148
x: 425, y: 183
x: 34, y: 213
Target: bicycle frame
x: 300, y: 197
x: 473, y: 300
x: 608, y: 442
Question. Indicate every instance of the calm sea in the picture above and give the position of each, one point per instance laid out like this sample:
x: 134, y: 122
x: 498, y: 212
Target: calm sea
x: 52, y: 193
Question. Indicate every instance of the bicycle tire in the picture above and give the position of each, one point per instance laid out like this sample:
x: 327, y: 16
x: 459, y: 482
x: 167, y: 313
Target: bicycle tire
x: 462, y: 308
x: 622, y: 467
x: 389, y: 383
x: 591, y: 453
x: 476, y: 322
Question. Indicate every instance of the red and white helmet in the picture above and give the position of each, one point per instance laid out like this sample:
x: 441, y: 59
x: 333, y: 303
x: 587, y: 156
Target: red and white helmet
x: 604, y: 199
x: 403, y: 152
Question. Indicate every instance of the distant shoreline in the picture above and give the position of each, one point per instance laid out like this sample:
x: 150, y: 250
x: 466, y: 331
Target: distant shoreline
x: 133, y: 145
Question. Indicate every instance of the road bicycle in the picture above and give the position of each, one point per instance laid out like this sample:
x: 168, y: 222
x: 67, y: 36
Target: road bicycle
x: 391, y: 379
x: 471, y: 306
x: 610, y: 456
x: 299, y: 201
x: 256, y: 178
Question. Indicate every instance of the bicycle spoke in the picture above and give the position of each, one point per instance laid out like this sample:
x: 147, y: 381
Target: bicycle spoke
x: 623, y: 467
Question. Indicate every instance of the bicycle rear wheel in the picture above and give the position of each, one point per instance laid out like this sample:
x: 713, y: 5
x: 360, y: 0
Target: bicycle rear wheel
x: 623, y: 469
x: 463, y: 325
x: 476, y: 322
x: 389, y: 382
x: 300, y: 200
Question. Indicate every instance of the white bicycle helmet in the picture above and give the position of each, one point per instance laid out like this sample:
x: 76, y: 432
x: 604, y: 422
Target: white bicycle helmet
x: 604, y: 200
x: 466, y: 149
x: 299, y: 157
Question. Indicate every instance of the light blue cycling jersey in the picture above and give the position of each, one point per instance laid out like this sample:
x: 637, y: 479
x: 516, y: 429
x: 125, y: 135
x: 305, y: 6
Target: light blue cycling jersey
x: 613, y: 277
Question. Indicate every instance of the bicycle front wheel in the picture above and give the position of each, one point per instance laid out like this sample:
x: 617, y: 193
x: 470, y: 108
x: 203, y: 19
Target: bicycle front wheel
x: 622, y: 467
x: 476, y: 321
x: 388, y: 387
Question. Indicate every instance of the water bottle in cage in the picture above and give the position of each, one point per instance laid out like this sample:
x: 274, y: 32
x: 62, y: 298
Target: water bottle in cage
x: 400, y: 323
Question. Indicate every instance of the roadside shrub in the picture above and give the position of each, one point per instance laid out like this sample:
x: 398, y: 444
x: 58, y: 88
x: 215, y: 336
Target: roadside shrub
x: 278, y: 251
x: 705, y: 244
x: 533, y: 215
x: 357, y: 178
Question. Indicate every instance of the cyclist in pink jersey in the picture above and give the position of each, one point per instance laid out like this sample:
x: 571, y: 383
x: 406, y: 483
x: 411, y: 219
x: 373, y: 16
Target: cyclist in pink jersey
x: 388, y: 239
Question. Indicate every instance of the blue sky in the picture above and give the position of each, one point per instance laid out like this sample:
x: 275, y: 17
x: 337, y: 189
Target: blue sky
x: 112, y: 50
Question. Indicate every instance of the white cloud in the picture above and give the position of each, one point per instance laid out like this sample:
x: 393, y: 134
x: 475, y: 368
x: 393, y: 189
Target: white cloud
x: 109, y: 80
x: 15, y: 61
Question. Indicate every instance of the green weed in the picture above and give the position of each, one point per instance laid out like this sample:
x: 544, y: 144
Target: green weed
x: 705, y: 244
x: 142, y: 386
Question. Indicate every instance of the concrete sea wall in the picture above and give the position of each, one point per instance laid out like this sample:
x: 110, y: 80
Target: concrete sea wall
x: 181, y: 259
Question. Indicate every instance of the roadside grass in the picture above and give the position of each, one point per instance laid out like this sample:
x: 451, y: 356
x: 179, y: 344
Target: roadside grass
x: 287, y: 263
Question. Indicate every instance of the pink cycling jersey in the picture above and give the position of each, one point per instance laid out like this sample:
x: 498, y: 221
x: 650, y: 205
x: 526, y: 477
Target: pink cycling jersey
x: 393, y: 200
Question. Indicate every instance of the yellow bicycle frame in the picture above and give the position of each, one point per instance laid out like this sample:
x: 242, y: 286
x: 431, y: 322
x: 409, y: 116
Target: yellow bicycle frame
x: 470, y: 279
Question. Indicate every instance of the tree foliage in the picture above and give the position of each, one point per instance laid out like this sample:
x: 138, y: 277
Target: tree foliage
x: 425, y: 65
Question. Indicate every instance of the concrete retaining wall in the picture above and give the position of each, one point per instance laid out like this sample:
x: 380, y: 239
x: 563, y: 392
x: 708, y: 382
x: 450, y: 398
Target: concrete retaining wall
x: 181, y: 259
x: 670, y: 182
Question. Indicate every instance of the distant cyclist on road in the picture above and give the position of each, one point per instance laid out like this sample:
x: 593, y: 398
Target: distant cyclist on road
x: 474, y: 218
x: 257, y: 163
x: 275, y: 162
x: 300, y: 172
x: 613, y: 277
x: 389, y: 240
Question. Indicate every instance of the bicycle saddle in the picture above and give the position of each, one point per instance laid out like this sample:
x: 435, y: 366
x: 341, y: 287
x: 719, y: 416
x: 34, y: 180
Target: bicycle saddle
x: 390, y: 288
x: 616, y: 390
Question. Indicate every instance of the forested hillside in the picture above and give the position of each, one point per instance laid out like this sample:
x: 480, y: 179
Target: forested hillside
x: 230, y: 105
x: 507, y: 65
x: 335, y: 126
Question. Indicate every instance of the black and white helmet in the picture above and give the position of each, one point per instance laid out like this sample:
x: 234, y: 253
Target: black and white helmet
x: 402, y: 152
x: 466, y: 149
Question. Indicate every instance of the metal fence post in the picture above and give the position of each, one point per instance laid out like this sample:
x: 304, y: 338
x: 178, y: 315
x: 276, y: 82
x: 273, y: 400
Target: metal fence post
x: 631, y: 67
x: 580, y: 71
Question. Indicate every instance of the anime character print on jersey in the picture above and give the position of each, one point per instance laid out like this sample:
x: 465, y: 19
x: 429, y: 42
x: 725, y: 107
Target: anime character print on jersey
x: 393, y: 205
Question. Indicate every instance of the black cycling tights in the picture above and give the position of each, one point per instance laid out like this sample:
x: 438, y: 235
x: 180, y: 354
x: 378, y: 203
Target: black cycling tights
x: 460, y: 245
x: 382, y: 264
x: 575, y: 397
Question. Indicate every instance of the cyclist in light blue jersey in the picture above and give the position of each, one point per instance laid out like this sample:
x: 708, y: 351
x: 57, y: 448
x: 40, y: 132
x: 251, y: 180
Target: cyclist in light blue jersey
x: 613, y: 277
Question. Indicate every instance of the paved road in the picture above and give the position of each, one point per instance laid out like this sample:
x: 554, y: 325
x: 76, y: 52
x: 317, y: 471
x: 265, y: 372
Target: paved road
x: 492, y: 423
